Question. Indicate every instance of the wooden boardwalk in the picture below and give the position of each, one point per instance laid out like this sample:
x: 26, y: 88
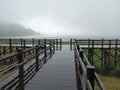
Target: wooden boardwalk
x: 57, y: 74
x: 42, y: 65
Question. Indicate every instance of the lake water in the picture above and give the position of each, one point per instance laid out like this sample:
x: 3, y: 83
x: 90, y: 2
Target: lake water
x: 65, y: 38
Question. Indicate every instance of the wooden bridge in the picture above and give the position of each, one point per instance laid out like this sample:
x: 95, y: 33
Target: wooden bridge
x: 22, y: 64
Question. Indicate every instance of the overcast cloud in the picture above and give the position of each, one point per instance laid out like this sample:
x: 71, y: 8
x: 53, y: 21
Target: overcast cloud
x: 68, y: 17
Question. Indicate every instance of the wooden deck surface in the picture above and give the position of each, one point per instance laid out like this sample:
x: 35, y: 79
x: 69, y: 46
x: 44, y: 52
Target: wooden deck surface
x: 57, y: 74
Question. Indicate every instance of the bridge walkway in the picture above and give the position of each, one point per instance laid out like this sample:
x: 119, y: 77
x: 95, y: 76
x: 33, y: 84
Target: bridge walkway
x: 57, y: 74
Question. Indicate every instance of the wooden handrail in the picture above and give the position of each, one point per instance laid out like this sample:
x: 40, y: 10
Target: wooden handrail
x: 83, y: 67
x: 23, y: 60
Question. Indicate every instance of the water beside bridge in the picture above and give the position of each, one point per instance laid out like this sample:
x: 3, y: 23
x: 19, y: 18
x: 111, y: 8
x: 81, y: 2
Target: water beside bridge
x: 57, y: 74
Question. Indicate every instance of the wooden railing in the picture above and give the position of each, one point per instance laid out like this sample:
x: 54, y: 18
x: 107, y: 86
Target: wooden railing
x: 8, y: 46
x: 85, y: 72
x: 24, y: 43
x: 106, y: 50
x: 96, y: 43
x: 27, y: 61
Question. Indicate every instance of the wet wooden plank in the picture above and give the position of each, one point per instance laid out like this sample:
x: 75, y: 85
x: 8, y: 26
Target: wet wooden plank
x: 57, y: 74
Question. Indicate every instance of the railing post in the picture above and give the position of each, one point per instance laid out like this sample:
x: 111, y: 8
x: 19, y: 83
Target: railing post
x: 75, y: 47
x: 70, y: 44
x: 4, y: 49
x: 37, y: 58
x: 92, y: 53
x: 10, y: 42
x: 78, y: 48
x: 91, y: 75
x: 116, y: 48
x: 0, y: 50
x: 80, y: 51
x: 102, y: 54
x: 33, y: 42
x: 21, y: 41
x: 60, y: 44
x: 88, y: 48
x: 105, y: 58
x: 10, y: 48
x: 38, y: 42
x: 21, y: 70
x: 50, y: 48
x: 24, y: 43
x: 54, y: 46
x: 109, y: 58
x: 45, y: 54
x: 81, y: 54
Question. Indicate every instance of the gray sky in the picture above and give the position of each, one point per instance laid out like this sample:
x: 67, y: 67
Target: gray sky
x: 65, y: 17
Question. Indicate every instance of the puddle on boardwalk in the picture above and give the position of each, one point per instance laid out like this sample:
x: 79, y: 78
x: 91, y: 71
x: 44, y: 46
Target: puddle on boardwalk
x: 57, y: 74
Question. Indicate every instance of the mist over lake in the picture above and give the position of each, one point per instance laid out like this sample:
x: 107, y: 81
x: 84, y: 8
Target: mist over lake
x: 64, y: 38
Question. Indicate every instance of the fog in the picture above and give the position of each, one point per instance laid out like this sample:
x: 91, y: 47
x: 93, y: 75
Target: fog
x: 65, y: 17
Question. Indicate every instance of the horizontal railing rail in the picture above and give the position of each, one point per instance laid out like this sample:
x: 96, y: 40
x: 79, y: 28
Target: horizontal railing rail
x: 97, y: 43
